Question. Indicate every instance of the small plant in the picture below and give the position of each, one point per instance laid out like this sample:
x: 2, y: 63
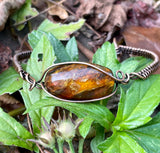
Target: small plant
x: 133, y: 130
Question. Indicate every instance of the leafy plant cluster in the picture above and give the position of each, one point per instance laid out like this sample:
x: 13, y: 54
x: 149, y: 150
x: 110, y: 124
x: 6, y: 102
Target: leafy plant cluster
x: 133, y: 129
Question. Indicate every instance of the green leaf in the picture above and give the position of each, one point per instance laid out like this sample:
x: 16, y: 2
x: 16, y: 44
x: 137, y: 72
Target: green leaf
x: 13, y: 133
x: 35, y: 67
x: 134, y: 63
x: 61, y: 54
x: 21, y: 14
x: 148, y: 136
x: 34, y: 37
x: 120, y: 142
x: 85, y: 126
x: 10, y: 81
x: 138, y: 104
x: 72, y: 49
x: 106, y: 56
x: 61, y: 31
x: 99, y: 113
x: 97, y: 139
x: 59, y: 49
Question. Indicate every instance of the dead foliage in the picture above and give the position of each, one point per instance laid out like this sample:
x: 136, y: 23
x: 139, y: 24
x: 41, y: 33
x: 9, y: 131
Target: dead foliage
x: 5, y: 57
x: 145, y: 38
x: 6, y: 7
x: 143, y: 14
x: 102, y: 15
x: 57, y: 10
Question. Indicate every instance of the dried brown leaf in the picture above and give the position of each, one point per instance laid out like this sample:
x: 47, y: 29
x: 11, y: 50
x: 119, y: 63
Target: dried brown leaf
x: 39, y: 3
x: 146, y: 38
x: 102, y: 15
x: 85, y: 51
x: 143, y: 14
x: 72, y: 5
x: 117, y: 18
x: 8, y: 99
x: 89, y: 7
x: 6, y: 7
x: 5, y: 57
x: 86, y: 8
x: 57, y: 10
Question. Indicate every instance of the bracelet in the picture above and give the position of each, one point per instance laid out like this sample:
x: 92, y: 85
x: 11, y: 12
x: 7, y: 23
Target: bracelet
x: 84, y: 82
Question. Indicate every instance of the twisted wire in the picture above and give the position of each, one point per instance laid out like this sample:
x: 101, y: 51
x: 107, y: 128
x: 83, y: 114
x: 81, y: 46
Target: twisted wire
x: 18, y: 57
x: 144, y: 73
x: 24, y: 75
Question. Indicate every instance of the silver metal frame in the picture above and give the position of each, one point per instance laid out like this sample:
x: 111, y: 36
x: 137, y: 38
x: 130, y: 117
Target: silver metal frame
x: 77, y: 101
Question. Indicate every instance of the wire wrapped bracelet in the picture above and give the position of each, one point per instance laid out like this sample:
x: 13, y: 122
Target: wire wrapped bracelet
x: 85, y: 82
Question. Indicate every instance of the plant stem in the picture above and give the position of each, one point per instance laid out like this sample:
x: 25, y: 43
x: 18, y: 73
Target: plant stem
x: 71, y: 145
x: 60, y: 145
x: 55, y: 150
x: 80, y: 148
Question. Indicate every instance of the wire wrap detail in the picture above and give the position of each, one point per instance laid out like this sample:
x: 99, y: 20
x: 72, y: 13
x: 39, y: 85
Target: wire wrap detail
x: 144, y: 73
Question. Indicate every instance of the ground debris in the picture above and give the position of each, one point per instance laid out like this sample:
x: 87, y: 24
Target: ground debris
x: 146, y: 38
x: 103, y: 16
x: 6, y: 8
x: 143, y: 14
x: 5, y: 57
x: 57, y: 10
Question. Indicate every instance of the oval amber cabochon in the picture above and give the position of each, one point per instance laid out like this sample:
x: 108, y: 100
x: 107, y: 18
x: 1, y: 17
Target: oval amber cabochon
x: 79, y: 81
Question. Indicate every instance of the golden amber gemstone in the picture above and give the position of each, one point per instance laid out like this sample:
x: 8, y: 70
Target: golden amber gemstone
x: 78, y: 82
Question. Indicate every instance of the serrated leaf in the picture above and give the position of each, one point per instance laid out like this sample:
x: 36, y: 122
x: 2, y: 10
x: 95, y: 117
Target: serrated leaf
x: 120, y: 142
x: 13, y: 133
x: 59, y: 49
x: 133, y: 63
x: 85, y: 126
x: 21, y: 14
x: 10, y: 81
x: 34, y: 37
x: 61, y: 54
x: 100, y: 135
x: 98, y: 112
x: 138, y: 104
x: 106, y: 56
x: 61, y: 31
x: 148, y: 136
x: 35, y: 67
x: 72, y: 49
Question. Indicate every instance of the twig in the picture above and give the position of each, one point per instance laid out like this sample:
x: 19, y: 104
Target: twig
x: 23, y: 42
x: 115, y: 43
x: 85, y: 51
x: 46, y: 10
x: 75, y: 16
x: 29, y: 124
x: 58, y: 4
x: 30, y: 129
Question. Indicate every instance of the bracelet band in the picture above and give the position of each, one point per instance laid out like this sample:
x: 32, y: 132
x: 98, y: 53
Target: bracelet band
x: 144, y: 73
x: 95, y: 95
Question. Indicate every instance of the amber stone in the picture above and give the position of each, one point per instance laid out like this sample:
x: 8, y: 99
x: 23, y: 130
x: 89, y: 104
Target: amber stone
x: 78, y: 82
